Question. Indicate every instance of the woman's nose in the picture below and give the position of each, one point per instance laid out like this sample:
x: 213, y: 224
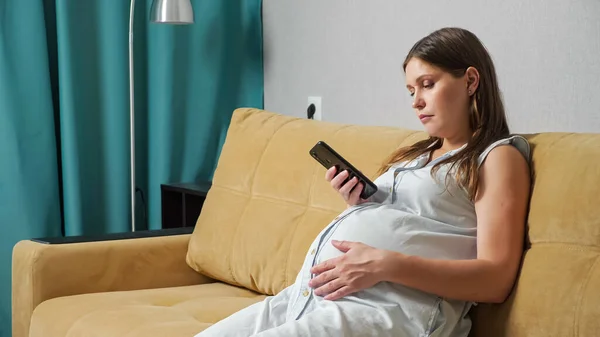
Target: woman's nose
x: 418, y: 102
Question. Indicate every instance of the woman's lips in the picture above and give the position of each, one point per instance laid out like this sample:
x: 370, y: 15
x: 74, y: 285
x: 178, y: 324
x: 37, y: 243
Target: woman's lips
x: 424, y: 118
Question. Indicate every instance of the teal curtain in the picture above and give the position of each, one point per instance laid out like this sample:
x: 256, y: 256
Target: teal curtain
x: 29, y: 190
x: 64, y: 111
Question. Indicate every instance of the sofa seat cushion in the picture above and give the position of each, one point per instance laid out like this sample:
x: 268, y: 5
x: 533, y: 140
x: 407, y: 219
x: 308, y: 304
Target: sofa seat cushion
x: 180, y: 311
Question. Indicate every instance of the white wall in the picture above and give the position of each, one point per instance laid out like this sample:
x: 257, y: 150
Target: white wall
x: 350, y: 52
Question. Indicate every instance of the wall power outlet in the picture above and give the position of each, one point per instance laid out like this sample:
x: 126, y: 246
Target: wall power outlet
x: 318, y: 112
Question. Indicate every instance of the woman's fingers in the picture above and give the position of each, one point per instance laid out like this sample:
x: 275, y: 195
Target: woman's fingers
x: 341, y: 292
x: 337, y: 181
x: 329, y: 288
x: 345, y: 187
x: 321, y: 279
x: 330, y: 174
x: 354, y: 197
x: 345, y: 190
x: 324, y: 266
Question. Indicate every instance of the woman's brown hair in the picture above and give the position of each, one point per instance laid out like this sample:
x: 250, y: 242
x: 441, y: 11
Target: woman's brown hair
x: 454, y: 50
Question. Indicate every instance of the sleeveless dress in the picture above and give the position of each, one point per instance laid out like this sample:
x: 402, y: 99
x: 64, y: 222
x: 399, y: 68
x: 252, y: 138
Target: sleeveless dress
x: 411, y: 213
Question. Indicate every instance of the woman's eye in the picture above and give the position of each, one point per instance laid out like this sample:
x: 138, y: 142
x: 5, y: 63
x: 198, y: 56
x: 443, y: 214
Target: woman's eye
x: 428, y: 85
x: 411, y: 93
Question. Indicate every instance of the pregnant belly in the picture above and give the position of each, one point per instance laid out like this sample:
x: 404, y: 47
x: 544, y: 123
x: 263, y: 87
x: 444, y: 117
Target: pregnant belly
x: 377, y: 226
x: 386, y: 227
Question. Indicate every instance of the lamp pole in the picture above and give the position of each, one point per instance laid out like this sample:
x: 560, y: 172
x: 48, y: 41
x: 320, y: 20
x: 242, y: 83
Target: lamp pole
x: 131, y: 116
x: 163, y: 11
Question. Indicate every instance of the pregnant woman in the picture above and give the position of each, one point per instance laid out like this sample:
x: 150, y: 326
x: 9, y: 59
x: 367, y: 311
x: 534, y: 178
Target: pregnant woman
x: 444, y: 231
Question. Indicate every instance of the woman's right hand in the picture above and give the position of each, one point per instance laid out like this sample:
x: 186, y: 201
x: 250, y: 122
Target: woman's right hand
x: 348, y: 191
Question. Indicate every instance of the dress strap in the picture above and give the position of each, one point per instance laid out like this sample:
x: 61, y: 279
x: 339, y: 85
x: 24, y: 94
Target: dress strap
x: 516, y: 140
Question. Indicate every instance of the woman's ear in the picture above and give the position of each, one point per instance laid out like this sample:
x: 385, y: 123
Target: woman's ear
x: 472, y: 75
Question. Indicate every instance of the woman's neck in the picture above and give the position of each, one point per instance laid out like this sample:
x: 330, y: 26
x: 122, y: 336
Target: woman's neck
x: 453, y: 143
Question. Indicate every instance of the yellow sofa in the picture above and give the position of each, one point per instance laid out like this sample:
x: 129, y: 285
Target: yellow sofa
x: 268, y: 201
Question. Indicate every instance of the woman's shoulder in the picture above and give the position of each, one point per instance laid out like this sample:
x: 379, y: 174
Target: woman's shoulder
x: 507, y: 164
x: 517, y: 142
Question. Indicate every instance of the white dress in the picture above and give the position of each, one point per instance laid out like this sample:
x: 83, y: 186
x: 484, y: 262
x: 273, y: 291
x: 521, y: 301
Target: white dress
x: 411, y: 213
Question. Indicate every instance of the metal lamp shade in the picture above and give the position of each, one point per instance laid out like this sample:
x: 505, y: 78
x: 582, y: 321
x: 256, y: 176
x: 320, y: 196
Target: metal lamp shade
x: 172, y: 12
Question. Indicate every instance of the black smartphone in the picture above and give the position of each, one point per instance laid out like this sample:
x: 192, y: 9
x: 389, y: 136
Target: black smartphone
x: 328, y: 157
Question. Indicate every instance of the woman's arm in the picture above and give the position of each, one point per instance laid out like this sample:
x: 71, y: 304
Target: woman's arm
x: 501, y: 207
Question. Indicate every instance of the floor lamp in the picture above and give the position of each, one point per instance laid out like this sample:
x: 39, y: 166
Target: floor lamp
x: 162, y: 11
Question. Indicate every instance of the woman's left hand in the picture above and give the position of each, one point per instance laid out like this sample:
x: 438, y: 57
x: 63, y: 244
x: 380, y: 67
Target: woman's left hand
x: 359, y: 268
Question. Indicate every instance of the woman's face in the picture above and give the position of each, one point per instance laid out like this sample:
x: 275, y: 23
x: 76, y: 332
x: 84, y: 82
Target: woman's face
x: 440, y: 100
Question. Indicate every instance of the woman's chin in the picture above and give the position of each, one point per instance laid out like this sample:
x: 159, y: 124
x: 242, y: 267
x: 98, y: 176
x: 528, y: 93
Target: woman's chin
x: 432, y: 131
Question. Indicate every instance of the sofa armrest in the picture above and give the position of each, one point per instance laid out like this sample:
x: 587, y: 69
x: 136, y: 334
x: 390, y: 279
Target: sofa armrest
x: 71, y: 266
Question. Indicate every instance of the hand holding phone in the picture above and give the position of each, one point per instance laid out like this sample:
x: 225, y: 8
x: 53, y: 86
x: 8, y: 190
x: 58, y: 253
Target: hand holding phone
x: 349, y: 189
x: 342, y: 177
